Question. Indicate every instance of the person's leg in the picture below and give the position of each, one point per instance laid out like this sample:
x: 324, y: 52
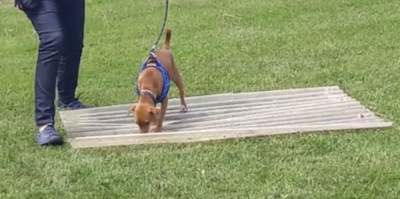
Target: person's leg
x: 72, y: 15
x: 44, y: 18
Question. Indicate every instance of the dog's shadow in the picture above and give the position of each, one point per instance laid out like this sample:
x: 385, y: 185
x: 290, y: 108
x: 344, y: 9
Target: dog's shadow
x: 181, y: 121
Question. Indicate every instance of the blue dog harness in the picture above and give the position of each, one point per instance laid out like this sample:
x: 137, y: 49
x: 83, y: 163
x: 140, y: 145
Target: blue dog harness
x: 165, y: 76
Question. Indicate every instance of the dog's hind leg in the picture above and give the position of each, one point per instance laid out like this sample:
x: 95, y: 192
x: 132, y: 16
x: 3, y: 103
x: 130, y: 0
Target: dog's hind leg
x: 177, y: 79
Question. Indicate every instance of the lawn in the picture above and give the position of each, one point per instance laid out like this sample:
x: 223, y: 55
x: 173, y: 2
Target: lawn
x: 220, y: 46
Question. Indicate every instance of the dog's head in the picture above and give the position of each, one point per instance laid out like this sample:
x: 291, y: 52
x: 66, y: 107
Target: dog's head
x: 145, y: 115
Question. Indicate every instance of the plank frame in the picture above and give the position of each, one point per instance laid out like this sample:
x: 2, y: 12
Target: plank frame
x: 286, y: 111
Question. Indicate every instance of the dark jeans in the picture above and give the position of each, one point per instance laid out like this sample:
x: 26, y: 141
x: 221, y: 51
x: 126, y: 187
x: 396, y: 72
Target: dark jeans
x: 60, y: 28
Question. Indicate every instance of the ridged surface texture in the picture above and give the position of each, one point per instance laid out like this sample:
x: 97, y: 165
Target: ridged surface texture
x: 222, y: 116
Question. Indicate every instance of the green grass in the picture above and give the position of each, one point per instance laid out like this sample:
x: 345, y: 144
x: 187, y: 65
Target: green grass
x: 221, y: 46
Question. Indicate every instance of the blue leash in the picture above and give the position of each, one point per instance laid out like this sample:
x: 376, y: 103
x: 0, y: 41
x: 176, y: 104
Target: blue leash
x: 166, y: 78
x: 162, y: 27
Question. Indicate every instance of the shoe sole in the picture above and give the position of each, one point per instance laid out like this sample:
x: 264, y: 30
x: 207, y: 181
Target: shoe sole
x: 53, y: 142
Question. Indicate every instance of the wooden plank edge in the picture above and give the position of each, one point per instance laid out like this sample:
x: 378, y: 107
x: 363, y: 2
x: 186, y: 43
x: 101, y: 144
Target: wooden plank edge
x: 251, y: 126
x: 232, y: 105
x: 293, y: 89
x: 126, y: 105
x: 269, y: 108
x: 199, y: 136
x: 212, y: 120
x: 200, y: 97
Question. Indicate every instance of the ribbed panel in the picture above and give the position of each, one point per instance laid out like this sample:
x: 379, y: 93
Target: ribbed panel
x: 225, y: 116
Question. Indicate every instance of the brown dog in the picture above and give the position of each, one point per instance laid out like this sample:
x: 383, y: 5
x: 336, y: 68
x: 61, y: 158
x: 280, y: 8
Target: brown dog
x: 151, y: 87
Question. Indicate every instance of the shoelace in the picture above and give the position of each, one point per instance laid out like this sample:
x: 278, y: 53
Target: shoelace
x: 48, y: 131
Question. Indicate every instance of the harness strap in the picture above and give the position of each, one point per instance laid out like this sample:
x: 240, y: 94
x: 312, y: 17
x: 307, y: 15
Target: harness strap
x: 165, y: 76
x: 150, y: 94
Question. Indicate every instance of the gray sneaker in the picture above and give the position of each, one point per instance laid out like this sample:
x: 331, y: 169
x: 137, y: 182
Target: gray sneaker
x: 49, y: 136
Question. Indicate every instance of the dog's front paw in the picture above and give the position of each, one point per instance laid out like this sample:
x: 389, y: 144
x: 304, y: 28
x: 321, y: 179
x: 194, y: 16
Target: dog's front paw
x: 157, y: 129
x: 184, y: 108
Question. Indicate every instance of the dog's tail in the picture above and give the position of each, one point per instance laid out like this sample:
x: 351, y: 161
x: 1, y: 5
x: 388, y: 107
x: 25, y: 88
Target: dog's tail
x: 167, y: 38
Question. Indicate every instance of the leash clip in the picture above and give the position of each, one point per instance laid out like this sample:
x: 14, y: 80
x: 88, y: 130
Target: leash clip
x: 153, y: 54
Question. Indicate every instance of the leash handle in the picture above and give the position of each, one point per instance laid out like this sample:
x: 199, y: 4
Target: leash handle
x: 162, y: 27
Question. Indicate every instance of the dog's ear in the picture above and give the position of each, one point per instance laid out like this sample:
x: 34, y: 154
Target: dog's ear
x: 155, y: 114
x: 154, y: 111
x: 132, y: 108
